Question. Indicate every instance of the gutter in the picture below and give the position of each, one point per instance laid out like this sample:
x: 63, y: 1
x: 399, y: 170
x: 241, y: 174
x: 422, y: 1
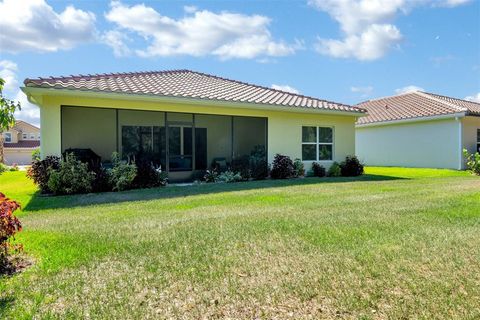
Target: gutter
x: 32, y: 91
x: 413, y: 120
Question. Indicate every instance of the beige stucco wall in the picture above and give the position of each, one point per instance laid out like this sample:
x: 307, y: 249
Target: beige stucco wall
x: 428, y: 144
x: 284, y: 128
x: 27, y: 129
x: 470, y: 126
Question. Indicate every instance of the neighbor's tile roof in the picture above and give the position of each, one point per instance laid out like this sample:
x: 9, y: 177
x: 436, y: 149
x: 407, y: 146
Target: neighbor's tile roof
x: 186, y: 84
x: 23, y: 144
x: 414, y: 105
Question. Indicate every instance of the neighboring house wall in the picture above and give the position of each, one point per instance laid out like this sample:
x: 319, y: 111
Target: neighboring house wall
x: 470, y: 127
x: 27, y: 131
x: 284, y: 128
x: 429, y: 144
x: 15, y: 151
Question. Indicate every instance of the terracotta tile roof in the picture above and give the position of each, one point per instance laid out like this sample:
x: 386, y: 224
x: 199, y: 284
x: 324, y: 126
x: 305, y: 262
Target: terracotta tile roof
x: 414, y: 105
x: 186, y: 84
x: 23, y: 144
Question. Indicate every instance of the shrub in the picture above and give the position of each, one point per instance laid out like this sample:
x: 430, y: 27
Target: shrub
x: 101, y: 182
x: 334, y: 170
x: 282, y: 167
x: 40, y: 171
x: 351, y: 167
x: 318, y: 170
x: 241, y: 165
x: 36, y: 155
x: 258, y: 163
x: 13, y: 167
x: 3, y: 168
x: 211, y: 176
x: 230, y: 176
x: 71, y: 177
x: 148, y: 176
x: 299, y: 168
x: 9, y: 226
x: 122, y: 174
x: 473, y: 161
x: 258, y: 168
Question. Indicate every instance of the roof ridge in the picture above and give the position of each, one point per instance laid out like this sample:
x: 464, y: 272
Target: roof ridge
x: 387, y: 97
x: 107, y: 75
x: 454, y: 106
x: 441, y: 95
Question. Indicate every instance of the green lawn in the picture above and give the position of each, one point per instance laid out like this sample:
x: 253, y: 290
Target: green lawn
x: 395, y: 243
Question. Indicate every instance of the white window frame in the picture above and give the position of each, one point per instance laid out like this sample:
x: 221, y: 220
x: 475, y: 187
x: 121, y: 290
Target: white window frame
x: 32, y: 136
x: 24, y: 136
x: 9, y: 135
x: 318, y: 143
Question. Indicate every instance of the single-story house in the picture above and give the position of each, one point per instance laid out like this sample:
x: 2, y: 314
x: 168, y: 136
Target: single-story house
x: 19, y: 142
x: 185, y: 120
x: 418, y: 129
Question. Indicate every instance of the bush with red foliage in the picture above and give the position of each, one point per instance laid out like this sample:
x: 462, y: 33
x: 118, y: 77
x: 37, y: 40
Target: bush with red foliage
x: 9, y: 226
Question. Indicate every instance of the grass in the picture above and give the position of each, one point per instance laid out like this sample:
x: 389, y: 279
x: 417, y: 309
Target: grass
x: 395, y: 243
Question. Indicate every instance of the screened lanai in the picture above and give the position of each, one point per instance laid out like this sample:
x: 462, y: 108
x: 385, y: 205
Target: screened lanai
x: 183, y: 144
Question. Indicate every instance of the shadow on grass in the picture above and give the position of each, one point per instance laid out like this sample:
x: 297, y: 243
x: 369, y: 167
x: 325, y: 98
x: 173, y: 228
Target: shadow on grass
x: 40, y: 202
x: 5, y: 304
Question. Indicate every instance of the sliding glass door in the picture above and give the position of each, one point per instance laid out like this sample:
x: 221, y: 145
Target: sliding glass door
x: 180, y: 148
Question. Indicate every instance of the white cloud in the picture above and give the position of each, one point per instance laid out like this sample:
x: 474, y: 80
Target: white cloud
x: 225, y: 35
x: 190, y: 9
x: 407, y: 89
x: 286, y: 88
x: 453, y: 3
x: 364, y: 91
x: 33, y: 25
x: 474, y: 98
x: 29, y: 112
x: 8, y: 71
x: 116, y: 40
x: 371, y: 44
x: 368, y: 32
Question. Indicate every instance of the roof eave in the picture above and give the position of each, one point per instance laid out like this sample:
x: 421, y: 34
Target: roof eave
x: 36, y: 91
x: 412, y: 120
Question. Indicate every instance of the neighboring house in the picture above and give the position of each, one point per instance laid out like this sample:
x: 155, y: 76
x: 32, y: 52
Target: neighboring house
x: 185, y: 120
x: 19, y: 143
x: 418, y: 129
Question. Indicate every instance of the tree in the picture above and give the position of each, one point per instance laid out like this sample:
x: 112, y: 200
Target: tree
x: 7, y: 117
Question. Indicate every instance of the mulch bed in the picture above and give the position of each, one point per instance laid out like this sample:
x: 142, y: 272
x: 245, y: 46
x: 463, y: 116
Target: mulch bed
x: 15, y: 264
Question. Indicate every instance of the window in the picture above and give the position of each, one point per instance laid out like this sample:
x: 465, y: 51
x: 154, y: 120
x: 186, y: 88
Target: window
x: 8, y: 137
x: 478, y: 140
x: 24, y: 136
x: 317, y: 143
x: 32, y: 136
x: 143, y: 143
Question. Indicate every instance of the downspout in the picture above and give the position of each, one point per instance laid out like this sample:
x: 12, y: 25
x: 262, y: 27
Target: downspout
x: 460, y: 143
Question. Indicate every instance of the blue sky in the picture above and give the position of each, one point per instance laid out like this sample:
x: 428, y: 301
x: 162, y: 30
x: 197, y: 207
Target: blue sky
x: 341, y: 50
